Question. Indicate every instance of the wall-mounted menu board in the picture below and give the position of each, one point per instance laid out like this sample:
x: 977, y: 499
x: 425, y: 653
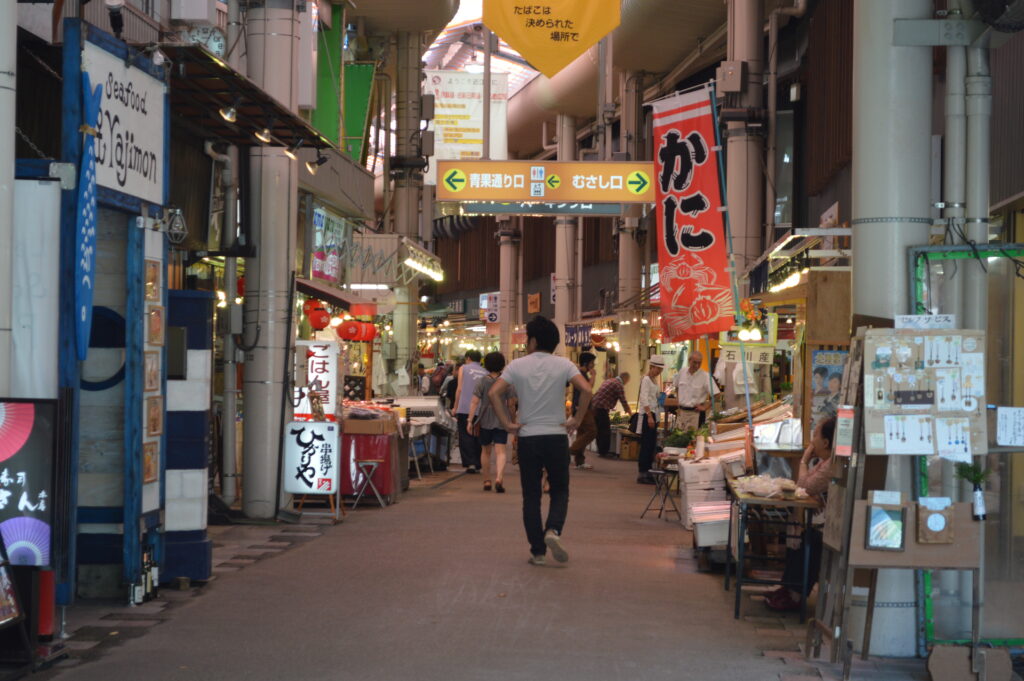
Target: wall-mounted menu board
x: 924, y: 392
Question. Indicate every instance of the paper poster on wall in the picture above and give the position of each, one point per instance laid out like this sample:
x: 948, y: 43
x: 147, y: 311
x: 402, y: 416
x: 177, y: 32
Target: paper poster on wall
x: 826, y: 380
x: 26, y: 478
x: 1010, y: 426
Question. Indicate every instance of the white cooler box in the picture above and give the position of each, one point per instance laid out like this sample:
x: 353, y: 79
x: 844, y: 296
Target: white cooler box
x: 690, y: 494
x: 706, y: 473
x: 710, y: 523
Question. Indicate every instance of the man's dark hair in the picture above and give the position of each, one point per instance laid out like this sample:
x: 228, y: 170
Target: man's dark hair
x: 473, y: 355
x: 544, y: 331
x: 821, y: 371
x: 420, y: 366
x: 494, y: 362
x: 586, y: 358
x: 828, y: 429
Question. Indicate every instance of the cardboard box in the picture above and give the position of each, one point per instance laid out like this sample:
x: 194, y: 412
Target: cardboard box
x: 381, y: 426
x: 711, y: 533
x: 704, y: 472
x: 630, y: 448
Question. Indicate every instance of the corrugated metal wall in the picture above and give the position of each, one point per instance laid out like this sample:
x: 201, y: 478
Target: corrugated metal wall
x: 471, y: 262
x: 829, y: 108
x: 1007, y: 162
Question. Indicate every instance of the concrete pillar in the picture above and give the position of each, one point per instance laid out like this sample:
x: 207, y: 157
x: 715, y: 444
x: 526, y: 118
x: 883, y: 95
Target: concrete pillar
x: 508, y: 247
x: 630, y: 253
x: 8, y: 85
x: 565, y: 237
x: 271, y: 31
x: 744, y: 146
x: 892, y: 95
x: 407, y: 190
x: 979, y: 116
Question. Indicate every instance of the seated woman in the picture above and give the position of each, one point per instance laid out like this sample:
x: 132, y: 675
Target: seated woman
x: 813, y: 477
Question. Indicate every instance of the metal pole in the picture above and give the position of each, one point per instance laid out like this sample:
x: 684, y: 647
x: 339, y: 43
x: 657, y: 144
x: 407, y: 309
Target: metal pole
x: 979, y: 116
x: 8, y: 86
x: 485, y: 153
x: 892, y: 95
x: 271, y: 30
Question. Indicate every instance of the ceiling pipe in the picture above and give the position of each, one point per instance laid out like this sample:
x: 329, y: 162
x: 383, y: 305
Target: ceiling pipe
x: 770, y: 195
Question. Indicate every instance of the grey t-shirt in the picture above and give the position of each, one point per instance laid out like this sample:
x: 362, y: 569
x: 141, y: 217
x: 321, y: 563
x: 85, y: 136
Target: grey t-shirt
x: 486, y: 416
x: 540, y: 379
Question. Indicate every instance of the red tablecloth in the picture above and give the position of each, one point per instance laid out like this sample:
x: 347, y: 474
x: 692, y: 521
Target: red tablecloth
x: 362, y: 448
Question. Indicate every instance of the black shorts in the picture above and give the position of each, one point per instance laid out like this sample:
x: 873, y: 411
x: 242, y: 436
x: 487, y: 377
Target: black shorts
x: 493, y: 436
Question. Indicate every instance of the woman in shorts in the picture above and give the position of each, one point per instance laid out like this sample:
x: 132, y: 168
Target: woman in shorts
x: 486, y: 425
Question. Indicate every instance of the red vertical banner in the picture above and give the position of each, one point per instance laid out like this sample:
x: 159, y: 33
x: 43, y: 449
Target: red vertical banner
x: 695, y: 291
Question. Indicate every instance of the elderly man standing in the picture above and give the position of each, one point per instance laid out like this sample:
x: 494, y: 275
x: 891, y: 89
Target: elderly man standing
x: 694, y: 390
x: 647, y: 425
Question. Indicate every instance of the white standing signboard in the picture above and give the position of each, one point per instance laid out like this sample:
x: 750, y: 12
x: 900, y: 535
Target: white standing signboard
x: 311, y: 457
x: 130, y: 149
x: 321, y: 378
x: 459, y: 114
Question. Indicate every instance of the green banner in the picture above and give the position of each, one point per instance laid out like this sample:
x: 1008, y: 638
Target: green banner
x: 358, y: 88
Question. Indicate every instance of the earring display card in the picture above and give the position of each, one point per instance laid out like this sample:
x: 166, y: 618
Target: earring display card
x: 915, y: 378
x: 935, y: 520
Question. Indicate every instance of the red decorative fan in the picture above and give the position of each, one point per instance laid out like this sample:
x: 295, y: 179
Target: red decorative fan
x: 16, y: 419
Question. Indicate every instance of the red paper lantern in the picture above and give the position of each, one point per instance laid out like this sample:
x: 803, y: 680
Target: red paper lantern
x: 369, y: 331
x: 348, y: 330
x: 319, y: 319
x: 310, y: 305
x: 363, y: 309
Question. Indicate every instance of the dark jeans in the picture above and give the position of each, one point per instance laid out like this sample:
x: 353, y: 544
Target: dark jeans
x: 604, y: 431
x: 537, y: 454
x: 469, y: 445
x: 648, y: 443
x: 794, y: 571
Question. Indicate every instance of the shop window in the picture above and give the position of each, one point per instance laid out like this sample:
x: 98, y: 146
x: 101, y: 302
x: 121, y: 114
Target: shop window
x: 784, y: 160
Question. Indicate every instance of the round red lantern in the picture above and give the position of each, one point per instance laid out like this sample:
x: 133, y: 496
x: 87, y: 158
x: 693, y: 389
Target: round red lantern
x: 349, y: 330
x: 369, y: 332
x: 310, y: 305
x: 319, y: 319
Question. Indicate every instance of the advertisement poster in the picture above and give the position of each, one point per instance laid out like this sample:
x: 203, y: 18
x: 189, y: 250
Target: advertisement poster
x: 311, y: 458
x: 826, y: 380
x: 329, y: 234
x: 459, y: 114
x: 321, y: 378
x: 696, y: 294
x: 26, y: 480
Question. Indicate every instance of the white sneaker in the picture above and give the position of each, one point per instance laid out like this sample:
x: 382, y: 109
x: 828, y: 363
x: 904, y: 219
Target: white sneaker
x: 554, y: 542
x: 537, y: 560
x: 584, y: 467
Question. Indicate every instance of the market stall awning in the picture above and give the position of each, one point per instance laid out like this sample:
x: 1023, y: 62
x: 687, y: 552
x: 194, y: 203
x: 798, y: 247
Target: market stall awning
x: 202, y: 85
x: 383, y: 301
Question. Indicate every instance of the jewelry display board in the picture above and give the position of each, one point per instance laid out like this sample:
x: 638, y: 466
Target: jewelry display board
x: 924, y: 393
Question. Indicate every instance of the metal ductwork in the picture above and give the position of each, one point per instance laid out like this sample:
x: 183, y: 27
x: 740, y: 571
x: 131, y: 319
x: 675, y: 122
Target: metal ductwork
x: 451, y: 226
x: 391, y: 16
x: 654, y: 36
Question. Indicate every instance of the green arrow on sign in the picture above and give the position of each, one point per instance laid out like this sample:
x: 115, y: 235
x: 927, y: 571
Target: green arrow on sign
x: 554, y: 181
x: 455, y: 178
x: 638, y: 183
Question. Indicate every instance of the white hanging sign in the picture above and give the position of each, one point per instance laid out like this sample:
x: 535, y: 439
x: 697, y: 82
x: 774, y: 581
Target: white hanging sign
x: 321, y: 378
x: 130, y: 153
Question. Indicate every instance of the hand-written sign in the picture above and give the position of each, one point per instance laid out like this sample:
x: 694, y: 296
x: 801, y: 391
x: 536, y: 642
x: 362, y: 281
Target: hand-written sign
x: 311, y: 457
x: 552, y: 181
x: 757, y: 355
x: 551, y: 34
x: 130, y: 150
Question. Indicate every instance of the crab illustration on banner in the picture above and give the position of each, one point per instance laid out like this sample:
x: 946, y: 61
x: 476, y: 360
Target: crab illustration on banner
x: 696, y: 294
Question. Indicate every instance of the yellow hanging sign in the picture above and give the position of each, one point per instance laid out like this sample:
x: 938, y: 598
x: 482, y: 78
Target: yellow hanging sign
x: 552, y: 33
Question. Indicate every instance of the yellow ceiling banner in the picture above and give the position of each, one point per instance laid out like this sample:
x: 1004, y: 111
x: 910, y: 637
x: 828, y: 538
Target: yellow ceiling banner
x: 552, y: 33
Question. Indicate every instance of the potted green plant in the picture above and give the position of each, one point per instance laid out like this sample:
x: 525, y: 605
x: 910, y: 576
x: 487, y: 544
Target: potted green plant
x: 976, y: 475
x: 679, y: 438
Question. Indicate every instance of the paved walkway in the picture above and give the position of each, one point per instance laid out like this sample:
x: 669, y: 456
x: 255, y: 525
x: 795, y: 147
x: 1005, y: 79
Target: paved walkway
x: 437, y: 587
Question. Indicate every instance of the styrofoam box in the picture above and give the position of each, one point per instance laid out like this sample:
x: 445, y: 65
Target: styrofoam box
x: 711, y: 533
x: 692, y: 494
x: 702, y: 472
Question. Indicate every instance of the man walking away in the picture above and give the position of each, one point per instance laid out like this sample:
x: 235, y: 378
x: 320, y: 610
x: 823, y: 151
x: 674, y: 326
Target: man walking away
x: 694, y: 390
x: 647, y: 425
x: 540, y: 379
x: 585, y: 433
x: 469, y: 444
x: 611, y: 392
